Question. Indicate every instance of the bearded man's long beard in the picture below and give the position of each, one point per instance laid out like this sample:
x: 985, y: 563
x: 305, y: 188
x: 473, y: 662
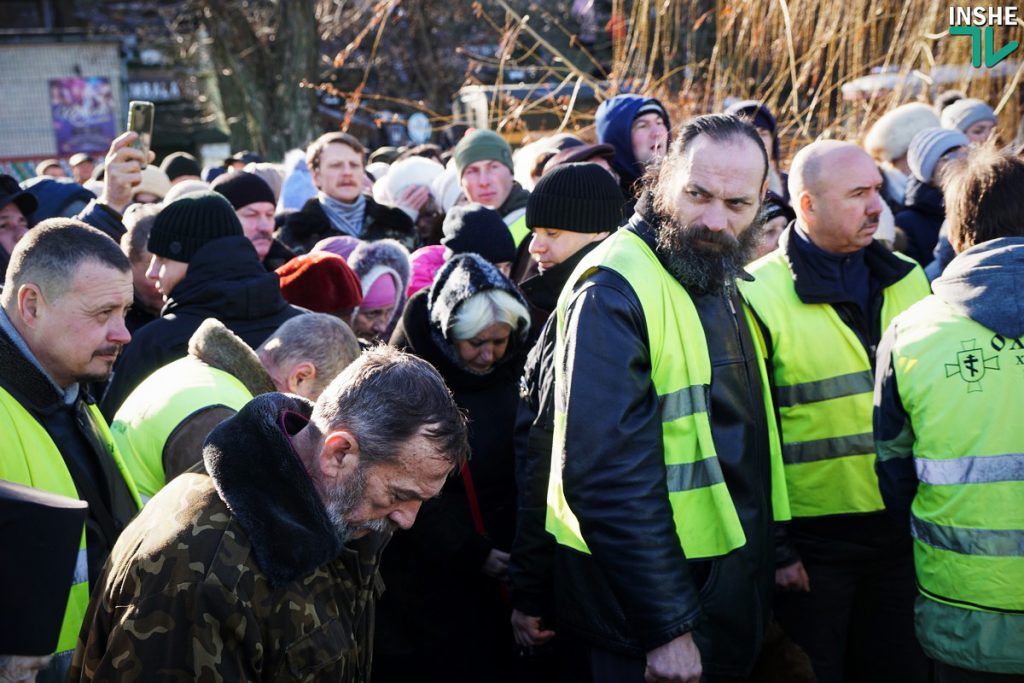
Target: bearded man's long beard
x: 704, y: 261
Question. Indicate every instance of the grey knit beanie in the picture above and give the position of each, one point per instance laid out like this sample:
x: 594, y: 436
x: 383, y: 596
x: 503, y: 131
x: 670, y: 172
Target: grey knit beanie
x: 927, y: 148
x: 189, y: 222
x: 963, y: 114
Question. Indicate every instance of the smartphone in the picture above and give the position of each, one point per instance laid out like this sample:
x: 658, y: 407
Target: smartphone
x: 140, y: 120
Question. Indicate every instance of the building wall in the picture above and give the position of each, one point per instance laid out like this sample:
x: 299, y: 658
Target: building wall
x: 25, y: 120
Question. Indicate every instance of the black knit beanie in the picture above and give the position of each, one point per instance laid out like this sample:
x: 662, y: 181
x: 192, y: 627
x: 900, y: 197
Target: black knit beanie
x: 243, y: 189
x: 180, y: 163
x: 576, y: 197
x: 190, y: 221
x: 475, y: 229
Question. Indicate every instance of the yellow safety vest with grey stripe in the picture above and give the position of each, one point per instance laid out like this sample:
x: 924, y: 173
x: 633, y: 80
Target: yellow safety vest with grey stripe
x: 30, y: 457
x: 824, y: 390
x: 962, y: 387
x: 706, y: 520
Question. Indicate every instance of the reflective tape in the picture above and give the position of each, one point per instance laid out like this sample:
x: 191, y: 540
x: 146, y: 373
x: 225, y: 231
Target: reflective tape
x: 824, y: 389
x: 991, y: 542
x: 826, y: 449
x: 81, y: 574
x: 971, y: 469
x: 694, y: 475
x: 683, y: 402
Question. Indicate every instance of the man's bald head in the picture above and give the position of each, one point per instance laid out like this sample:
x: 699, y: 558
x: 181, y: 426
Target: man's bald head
x: 812, y: 165
x: 835, y: 190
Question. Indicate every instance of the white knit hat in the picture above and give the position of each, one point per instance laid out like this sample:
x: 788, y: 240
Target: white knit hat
x: 889, y: 139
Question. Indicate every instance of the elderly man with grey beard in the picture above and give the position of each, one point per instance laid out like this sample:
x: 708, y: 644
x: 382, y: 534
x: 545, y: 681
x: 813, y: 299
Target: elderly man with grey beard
x: 660, y: 495
x: 262, y: 565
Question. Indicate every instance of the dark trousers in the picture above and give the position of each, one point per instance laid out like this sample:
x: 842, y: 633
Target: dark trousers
x: 857, y: 622
x: 944, y: 673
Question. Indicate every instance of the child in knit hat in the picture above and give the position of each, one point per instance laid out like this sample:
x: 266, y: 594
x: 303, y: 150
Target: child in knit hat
x: 973, y: 118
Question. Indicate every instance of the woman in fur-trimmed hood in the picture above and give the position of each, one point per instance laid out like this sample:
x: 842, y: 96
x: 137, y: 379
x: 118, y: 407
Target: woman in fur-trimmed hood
x: 383, y: 268
x: 445, y: 575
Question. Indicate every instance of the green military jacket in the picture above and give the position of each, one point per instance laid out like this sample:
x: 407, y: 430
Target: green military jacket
x: 235, y: 575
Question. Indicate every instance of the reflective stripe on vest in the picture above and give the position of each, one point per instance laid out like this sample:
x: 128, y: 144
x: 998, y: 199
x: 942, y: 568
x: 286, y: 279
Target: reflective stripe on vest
x: 152, y: 412
x: 824, y: 386
x: 31, y: 458
x: 960, y: 388
x: 516, y: 222
x: 705, y: 518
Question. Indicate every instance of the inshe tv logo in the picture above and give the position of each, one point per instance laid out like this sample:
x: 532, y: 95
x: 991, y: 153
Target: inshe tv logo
x: 978, y: 23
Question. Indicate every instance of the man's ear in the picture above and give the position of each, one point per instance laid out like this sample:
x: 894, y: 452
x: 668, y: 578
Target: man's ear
x: 339, y: 456
x: 806, y: 203
x: 30, y: 301
x: 301, y: 378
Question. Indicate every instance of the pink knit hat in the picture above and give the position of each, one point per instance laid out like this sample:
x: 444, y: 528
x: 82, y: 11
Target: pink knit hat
x: 426, y: 261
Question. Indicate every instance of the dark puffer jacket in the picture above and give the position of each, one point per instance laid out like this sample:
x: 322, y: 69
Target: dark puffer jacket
x: 226, y: 281
x: 921, y: 220
x: 437, y: 597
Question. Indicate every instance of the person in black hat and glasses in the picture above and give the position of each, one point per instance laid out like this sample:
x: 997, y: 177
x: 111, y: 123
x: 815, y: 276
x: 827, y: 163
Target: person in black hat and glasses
x: 15, y: 206
x: 205, y: 267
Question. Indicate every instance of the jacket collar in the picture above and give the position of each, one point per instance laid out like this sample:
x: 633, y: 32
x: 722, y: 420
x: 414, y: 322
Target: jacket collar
x: 543, y: 289
x: 884, y: 267
x: 24, y: 377
x: 258, y: 474
x: 220, y: 348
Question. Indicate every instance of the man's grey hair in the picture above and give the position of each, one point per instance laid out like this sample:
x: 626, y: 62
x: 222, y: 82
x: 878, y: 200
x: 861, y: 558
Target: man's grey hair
x: 50, y: 254
x: 138, y: 221
x: 321, y: 339
x: 385, y: 398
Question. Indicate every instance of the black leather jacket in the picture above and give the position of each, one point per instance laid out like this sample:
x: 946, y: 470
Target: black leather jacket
x: 637, y: 591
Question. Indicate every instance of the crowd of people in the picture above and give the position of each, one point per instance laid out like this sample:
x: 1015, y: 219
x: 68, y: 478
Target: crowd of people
x: 665, y: 406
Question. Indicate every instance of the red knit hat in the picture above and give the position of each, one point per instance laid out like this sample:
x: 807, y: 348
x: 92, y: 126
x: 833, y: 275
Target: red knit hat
x: 320, y: 281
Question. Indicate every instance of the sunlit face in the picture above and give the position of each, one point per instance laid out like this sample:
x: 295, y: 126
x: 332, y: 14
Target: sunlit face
x: 13, y: 226
x: 371, y: 323
x: 943, y: 163
x: 841, y: 215
x: 55, y: 172
x: 388, y: 495
x: 78, y: 336
x: 341, y: 174
x: 145, y: 289
x: 549, y: 246
x: 481, y: 352
x: 83, y: 172
x: 166, y: 273
x: 258, y: 225
x: 979, y: 132
x: 719, y: 185
x: 488, y: 182
x: 649, y: 137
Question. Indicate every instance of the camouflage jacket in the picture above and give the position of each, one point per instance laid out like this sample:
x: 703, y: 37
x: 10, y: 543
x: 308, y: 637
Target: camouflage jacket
x: 236, y: 574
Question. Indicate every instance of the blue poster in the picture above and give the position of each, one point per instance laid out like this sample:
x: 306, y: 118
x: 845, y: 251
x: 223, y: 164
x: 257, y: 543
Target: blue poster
x: 84, y: 119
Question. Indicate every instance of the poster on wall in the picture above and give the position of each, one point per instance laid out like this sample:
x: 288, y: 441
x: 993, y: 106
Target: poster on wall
x: 83, y: 113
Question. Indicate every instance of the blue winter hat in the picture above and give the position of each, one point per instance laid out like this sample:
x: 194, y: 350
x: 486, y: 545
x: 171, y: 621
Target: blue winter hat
x: 927, y: 148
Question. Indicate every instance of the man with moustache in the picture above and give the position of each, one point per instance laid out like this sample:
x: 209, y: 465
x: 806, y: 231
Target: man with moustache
x: 822, y: 300
x: 62, y: 310
x: 262, y: 565
x: 660, y: 493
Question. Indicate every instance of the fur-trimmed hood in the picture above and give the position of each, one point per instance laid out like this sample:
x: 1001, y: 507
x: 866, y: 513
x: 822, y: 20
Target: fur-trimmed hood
x: 258, y: 474
x: 459, y: 279
x: 220, y: 348
x: 369, y: 260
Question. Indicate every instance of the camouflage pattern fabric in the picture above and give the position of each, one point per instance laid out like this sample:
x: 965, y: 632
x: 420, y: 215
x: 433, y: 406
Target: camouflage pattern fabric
x: 182, y: 599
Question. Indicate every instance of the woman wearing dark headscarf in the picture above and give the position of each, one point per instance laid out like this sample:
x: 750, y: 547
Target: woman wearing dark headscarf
x: 444, y: 615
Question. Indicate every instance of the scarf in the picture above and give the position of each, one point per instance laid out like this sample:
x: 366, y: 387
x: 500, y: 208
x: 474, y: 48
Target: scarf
x: 347, y: 218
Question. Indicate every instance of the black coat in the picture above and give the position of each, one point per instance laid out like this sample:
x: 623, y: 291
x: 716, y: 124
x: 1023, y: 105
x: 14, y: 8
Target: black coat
x: 441, y: 616
x: 638, y: 591
x: 921, y: 220
x: 304, y: 228
x: 226, y: 281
